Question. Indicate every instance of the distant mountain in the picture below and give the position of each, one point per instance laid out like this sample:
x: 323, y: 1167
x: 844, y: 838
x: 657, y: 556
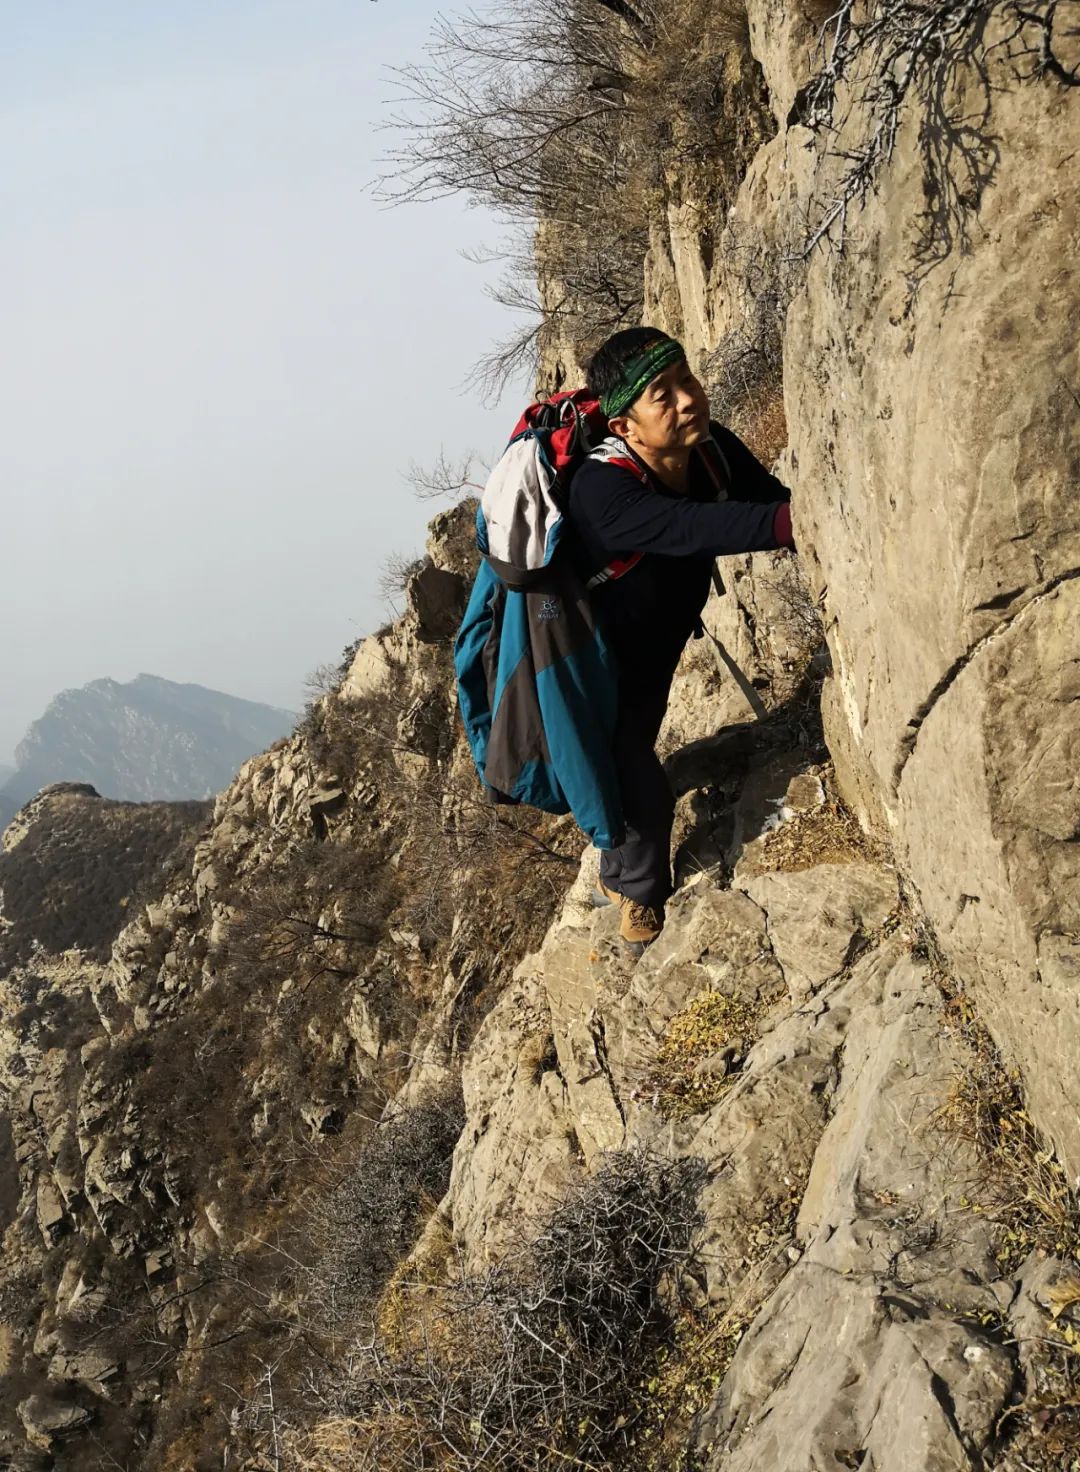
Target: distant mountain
x: 147, y: 740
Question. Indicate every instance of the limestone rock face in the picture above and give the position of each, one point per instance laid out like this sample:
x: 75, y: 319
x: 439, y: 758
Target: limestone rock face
x: 933, y: 452
x: 819, y: 918
x: 937, y: 447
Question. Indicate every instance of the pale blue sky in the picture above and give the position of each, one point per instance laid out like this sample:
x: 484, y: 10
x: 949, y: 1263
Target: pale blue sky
x: 219, y: 354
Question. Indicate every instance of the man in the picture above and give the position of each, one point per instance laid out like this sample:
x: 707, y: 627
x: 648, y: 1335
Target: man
x: 681, y: 490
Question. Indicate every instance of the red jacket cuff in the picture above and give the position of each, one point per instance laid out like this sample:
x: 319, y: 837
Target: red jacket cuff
x: 782, y: 526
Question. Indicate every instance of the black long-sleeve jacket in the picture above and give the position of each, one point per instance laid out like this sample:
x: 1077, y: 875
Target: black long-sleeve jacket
x: 648, y: 614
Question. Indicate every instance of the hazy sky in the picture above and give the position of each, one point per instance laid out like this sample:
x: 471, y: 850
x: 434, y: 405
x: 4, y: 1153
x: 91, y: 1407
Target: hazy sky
x: 219, y: 354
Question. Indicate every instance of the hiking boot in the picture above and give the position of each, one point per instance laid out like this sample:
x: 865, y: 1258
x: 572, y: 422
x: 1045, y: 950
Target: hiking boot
x: 639, y: 925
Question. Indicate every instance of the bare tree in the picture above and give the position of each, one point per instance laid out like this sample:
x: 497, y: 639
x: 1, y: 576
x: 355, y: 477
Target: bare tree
x: 394, y: 577
x: 505, y: 98
x: 312, y: 913
x: 444, y: 477
x: 892, y: 54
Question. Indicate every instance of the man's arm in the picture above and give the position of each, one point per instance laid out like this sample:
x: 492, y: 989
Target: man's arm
x: 750, y: 481
x: 621, y: 514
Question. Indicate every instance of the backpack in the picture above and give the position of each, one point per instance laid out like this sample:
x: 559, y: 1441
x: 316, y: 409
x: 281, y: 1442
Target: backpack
x: 537, y: 685
x: 519, y: 522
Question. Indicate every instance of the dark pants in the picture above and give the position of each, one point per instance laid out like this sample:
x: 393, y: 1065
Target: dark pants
x: 640, y: 867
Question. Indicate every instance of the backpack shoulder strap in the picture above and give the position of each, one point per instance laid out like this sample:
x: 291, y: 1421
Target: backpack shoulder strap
x: 716, y: 466
x: 616, y: 569
x: 613, y: 451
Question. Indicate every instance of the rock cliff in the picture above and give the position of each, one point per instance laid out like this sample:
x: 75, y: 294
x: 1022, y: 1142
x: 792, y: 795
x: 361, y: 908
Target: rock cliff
x: 930, y: 376
x: 367, y: 1146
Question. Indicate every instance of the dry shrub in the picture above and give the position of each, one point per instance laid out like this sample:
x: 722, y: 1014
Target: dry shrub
x: 761, y: 421
x: 534, y: 1363
x: 362, y: 1228
x: 745, y: 373
x: 464, y: 845
x: 397, y: 568
x: 1049, y: 1433
x: 313, y: 909
x: 794, y: 636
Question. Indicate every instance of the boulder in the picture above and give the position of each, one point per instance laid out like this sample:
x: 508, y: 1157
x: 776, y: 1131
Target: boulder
x: 437, y: 600
x: 48, y: 1418
x: 819, y: 919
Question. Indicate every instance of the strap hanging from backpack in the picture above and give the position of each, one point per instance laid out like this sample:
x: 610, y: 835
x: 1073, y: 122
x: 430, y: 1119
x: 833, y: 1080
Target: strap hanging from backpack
x: 617, y: 569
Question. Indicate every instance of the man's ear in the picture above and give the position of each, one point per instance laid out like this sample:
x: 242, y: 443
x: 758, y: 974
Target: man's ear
x: 619, y: 425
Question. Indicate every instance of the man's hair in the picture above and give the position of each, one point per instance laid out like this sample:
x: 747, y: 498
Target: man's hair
x: 605, y: 370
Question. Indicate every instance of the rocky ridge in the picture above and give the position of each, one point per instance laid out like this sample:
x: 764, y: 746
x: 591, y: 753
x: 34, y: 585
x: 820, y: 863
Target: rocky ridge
x: 152, y: 1103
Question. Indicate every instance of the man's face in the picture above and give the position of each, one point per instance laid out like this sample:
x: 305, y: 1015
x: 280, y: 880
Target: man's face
x: 671, y: 414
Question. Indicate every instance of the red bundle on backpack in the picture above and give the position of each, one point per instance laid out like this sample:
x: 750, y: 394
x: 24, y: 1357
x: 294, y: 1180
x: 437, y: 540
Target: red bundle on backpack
x: 521, y: 511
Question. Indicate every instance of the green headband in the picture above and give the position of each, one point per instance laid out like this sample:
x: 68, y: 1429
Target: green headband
x: 639, y: 373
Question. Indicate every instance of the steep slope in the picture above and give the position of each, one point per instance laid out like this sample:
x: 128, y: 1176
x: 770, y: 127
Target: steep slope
x: 173, y: 1115
x: 150, y: 739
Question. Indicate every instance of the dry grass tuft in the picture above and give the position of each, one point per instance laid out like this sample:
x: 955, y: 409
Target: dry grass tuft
x: 688, y: 1373
x: 701, y: 1053
x: 829, y: 834
x: 686, y: 1379
x: 1049, y: 1438
x: 1023, y: 1188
